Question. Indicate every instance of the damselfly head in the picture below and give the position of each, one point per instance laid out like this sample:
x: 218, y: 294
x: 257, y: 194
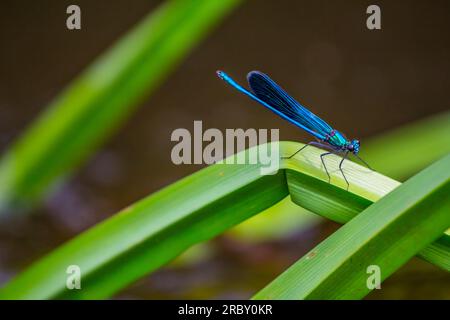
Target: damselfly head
x: 353, y: 146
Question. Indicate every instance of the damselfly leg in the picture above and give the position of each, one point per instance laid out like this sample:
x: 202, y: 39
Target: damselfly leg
x: 308, y: 144
x: 342, y: 171
x: 332, y: 151
x: 311, y: 143
x: 365, y: 163
x: 324, y: 166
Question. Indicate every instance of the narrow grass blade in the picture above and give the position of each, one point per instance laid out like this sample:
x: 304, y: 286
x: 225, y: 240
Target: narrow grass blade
x: 151, y: 232
x: 341, y: 206
x: 404, y: 151
x: 386, y: 235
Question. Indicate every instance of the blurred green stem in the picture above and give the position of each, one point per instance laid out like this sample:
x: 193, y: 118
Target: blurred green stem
x: 102, y: 97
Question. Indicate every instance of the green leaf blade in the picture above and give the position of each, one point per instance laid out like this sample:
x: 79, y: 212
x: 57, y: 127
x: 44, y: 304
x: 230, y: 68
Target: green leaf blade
x: 99, y: 100
x: 387, y: 234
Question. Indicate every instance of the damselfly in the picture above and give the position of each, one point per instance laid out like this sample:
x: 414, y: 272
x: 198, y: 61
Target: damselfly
x: 272, y: 96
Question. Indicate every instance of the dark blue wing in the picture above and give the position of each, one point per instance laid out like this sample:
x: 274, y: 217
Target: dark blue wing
x: 268, y: 91
x: 222, y: 75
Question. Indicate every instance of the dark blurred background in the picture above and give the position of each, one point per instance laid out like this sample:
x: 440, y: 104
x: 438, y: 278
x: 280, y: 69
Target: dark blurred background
x: 363, y: 82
